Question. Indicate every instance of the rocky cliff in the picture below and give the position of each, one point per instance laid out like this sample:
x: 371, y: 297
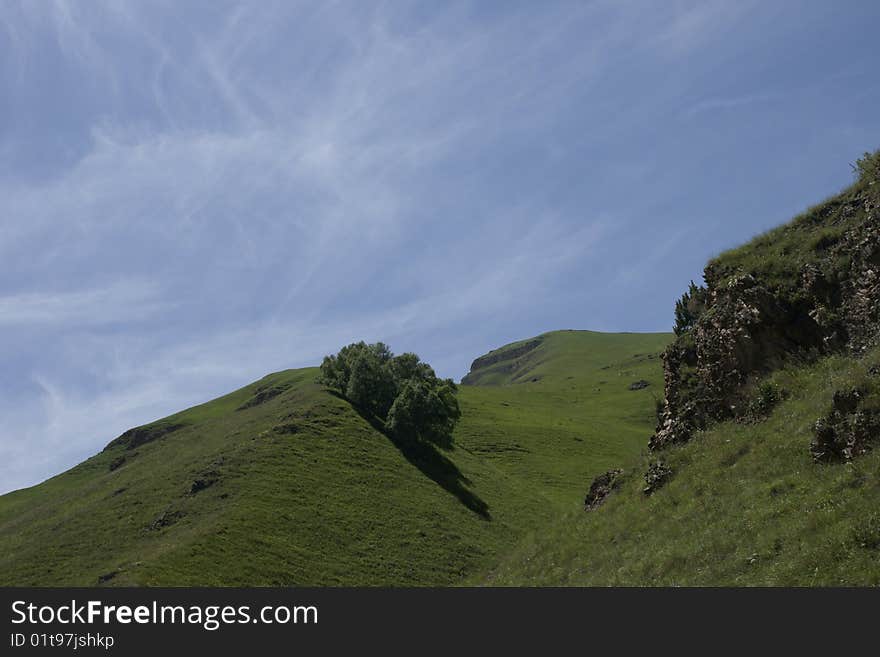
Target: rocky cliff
x: 806, y: 289
x: 507, y: 363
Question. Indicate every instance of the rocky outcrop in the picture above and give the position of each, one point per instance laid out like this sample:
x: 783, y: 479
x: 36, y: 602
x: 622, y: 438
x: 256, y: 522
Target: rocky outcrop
x: 601, y: 488
x: 750, y: 324
x: 512, y: 363
x: 141, y: 435
x: 656, y: 477
x: 848, y: 430
x: 504, y: 354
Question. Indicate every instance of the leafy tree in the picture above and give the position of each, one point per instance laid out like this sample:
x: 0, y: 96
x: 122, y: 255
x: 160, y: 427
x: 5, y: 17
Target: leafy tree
x: 401, y: 390
x: 426, y: 410
x: 371, y: 385
x: 336, y: 371
x: 408, y: 366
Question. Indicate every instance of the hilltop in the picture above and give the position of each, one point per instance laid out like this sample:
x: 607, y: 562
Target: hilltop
x: 282, y: 482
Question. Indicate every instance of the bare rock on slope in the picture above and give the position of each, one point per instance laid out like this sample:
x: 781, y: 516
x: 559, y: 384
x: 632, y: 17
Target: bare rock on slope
x: 751, y: 326
x: 601, y: 488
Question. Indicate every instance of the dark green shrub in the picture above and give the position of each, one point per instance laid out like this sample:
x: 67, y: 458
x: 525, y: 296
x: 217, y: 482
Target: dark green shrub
x: 689, y: 308
x: 767, y: 396
x: 425, y: 410
x: 402, y: 391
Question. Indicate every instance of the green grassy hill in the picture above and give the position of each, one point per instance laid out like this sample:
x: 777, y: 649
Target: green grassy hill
x: 746, y: 506
x: 283, y: 483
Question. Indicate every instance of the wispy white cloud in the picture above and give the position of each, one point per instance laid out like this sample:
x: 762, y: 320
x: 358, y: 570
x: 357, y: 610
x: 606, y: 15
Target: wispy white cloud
x: 720, y: 104
x: 125, y: 301
x: 690, y: 25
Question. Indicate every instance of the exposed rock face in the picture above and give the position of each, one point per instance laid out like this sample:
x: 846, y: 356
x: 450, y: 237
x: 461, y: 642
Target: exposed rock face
x: 746, y: 330
x: 848, y: 430
x: 750, y: 327
x: 601, y: 488
x: 141, y: 435
x: 639, y: 385
x: 656, y: 477
x: 506, y: 354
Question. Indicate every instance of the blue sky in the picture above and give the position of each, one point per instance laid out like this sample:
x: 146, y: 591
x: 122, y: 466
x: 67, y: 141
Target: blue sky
x: 193, y: 195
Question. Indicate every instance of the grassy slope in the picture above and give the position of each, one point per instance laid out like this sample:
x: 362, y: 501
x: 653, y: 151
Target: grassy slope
x: 336, y: 502
x: 577, y: 420
x: 746, y: 506
x: 778, y: 257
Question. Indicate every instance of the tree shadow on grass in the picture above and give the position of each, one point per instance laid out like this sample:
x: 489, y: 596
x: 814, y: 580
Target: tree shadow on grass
x: 439, y: 468
x: 432, y: 463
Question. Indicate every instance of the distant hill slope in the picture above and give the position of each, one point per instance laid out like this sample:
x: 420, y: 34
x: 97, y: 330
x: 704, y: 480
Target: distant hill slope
x: 283, y: 483
x: 566, y: 408
x: 565, y: 355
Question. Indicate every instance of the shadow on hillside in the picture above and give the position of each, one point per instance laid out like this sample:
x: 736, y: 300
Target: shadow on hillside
x: 432, y: 463
x: 438, y: 467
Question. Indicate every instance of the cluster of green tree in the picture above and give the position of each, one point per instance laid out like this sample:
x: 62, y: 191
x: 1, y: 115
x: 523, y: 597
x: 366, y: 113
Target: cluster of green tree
x: 402, y: 391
